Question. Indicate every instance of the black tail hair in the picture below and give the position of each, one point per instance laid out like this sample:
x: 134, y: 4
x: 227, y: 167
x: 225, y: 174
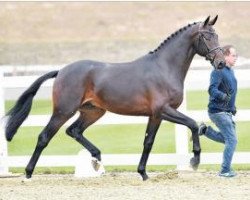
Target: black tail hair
x: 21, y: 109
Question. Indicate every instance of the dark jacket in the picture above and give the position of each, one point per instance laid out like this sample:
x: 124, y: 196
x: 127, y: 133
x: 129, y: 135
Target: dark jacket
x: 222, y: 91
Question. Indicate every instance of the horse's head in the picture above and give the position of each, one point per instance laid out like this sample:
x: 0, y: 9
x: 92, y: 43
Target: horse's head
x: 206, y: 43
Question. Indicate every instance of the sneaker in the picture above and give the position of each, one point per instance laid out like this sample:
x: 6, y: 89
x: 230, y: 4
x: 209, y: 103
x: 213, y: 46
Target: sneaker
x: 202, y: 129
x: 228, y: 174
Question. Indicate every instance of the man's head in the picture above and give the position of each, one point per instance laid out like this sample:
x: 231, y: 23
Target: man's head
x: 230, y: 55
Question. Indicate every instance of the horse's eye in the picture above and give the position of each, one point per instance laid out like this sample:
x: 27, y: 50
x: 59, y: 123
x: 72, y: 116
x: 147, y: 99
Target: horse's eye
x: 207, y: 36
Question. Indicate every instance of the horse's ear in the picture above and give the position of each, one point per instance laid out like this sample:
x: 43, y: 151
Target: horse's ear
x: 206, y: 21
x: 213, y: 21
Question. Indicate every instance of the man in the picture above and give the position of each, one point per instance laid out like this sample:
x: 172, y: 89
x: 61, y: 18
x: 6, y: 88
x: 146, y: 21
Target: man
x: 222, y: 94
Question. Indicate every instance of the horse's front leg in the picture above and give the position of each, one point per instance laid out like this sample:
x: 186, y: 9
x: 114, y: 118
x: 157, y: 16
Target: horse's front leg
x: 152, y: 128
x: 175, y: 116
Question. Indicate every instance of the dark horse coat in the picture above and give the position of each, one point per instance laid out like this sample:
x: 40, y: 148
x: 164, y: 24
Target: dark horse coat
x: 149, y: 86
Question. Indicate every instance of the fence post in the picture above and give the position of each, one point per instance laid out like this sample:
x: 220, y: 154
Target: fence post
x: 3, y: 143
x: 181, y: 139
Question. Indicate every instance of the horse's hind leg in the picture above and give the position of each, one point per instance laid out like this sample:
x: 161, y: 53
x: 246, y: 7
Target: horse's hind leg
x: 56, y: 121
x: 88, y: 116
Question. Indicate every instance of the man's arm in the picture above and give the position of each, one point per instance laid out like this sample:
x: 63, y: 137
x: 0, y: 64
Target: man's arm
x: 215, y: 81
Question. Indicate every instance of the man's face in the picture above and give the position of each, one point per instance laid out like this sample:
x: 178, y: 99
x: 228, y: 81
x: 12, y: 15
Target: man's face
x: 231, y: 57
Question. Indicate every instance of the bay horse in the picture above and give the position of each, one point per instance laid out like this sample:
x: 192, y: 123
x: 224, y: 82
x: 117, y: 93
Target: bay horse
x: 151, y: 85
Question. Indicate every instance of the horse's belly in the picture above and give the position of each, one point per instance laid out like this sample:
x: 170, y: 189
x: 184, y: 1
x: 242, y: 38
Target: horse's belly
x: 123, y: 105
x: 131, y: 110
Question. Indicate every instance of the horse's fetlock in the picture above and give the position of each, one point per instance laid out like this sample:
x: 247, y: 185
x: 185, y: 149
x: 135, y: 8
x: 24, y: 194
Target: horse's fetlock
x: 141, y: 170
x: 28, y: 172
x: 197, y: 152
x: 97, y: 155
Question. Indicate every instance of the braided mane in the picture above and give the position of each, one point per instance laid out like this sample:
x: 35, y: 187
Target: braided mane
x: 174, y: 35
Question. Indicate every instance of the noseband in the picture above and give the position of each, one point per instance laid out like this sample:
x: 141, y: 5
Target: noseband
x: 209, y: 51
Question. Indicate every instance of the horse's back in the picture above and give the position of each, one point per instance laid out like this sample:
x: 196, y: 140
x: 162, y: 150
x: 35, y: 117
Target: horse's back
x: 123, y: 88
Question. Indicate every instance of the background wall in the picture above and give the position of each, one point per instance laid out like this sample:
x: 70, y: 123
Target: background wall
x: 62, y: 32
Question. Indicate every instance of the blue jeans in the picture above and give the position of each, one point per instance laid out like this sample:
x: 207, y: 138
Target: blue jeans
x: 225, y: 135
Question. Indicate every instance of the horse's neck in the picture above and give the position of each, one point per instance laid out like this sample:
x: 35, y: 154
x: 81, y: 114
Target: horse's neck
x: 177, y: 56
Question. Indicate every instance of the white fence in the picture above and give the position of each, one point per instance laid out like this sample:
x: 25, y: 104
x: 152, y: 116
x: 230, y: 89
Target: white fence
x: 196, y: 80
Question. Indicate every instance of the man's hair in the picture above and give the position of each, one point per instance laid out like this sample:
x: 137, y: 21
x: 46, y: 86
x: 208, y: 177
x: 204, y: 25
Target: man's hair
x: 226, y: 49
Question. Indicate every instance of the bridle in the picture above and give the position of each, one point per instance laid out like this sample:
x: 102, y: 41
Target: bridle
x: 203, y: 39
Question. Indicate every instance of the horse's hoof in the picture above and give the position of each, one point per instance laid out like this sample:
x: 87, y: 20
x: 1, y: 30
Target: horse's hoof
x: 28, y: 176
x: 96, y: 164
x: 194, y: 162
x: 144, y: 176
x: 26, y: 180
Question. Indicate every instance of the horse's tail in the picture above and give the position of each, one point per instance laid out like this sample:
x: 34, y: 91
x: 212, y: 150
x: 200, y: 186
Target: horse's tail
x: 21, y: 109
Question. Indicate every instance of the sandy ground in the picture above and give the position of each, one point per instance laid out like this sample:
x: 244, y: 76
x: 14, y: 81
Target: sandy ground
x: 170, y: 185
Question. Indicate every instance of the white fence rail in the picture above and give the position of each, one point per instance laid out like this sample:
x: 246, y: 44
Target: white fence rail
x: 196, y: 80
x: 129, y: 159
